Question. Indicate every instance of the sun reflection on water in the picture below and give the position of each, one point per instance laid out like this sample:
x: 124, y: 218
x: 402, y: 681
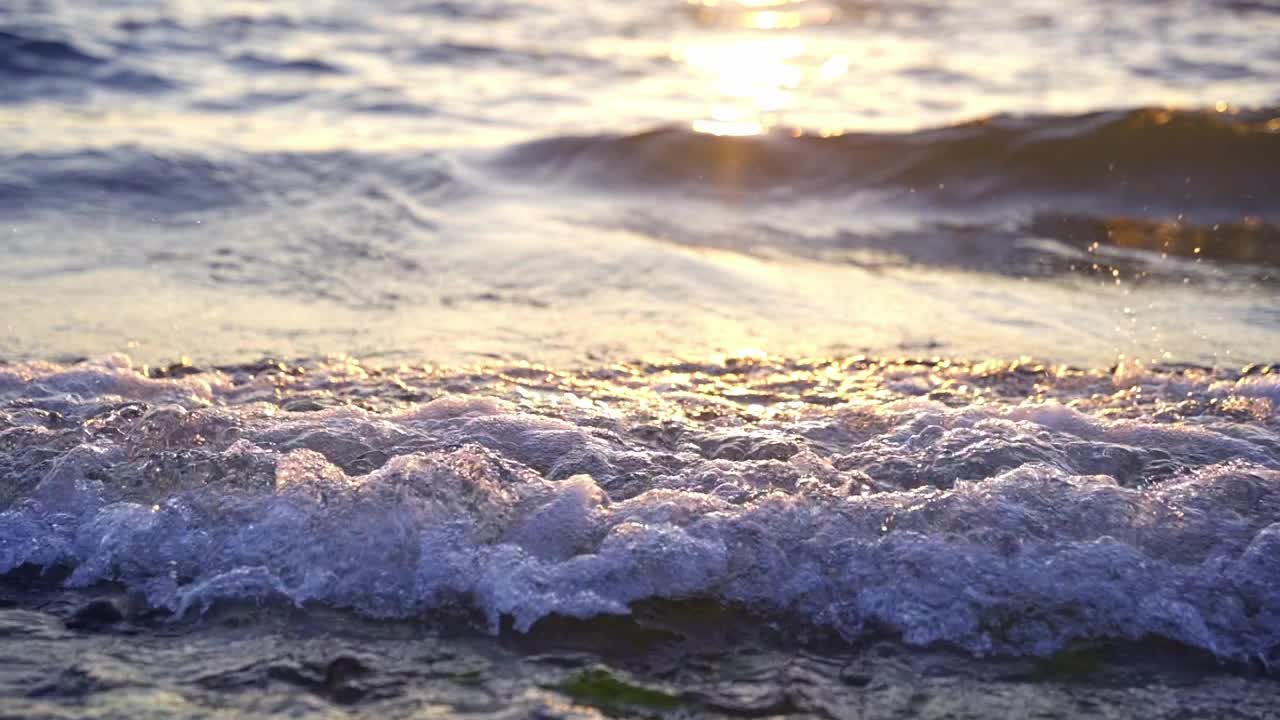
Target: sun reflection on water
x: 753, y: 82
x: 752, y: 75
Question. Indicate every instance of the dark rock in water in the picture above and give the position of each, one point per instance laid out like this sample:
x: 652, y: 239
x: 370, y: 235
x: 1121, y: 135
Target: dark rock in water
x: 96, y: 614
x: 343, y: 669
x: 340, y: 683
x: 336, y: 681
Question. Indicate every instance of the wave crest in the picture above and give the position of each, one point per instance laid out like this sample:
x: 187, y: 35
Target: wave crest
x: 1155, y: 155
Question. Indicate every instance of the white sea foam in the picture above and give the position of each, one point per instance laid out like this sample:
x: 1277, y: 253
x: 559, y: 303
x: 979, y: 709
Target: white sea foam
x: 999, y: 526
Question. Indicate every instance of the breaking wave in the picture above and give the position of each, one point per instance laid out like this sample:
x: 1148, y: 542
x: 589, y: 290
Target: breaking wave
x: 1000, y: 508
x: 1130, y: 159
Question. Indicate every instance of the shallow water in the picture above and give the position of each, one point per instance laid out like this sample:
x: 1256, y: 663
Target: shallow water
x: 800, y: 358
x: 266, y: 662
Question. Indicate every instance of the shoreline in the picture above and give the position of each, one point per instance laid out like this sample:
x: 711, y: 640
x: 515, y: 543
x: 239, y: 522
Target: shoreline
x: 667, y: 660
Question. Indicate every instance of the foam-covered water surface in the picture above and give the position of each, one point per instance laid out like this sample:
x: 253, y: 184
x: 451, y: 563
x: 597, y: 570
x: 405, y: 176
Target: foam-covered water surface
x: 1002, y: 509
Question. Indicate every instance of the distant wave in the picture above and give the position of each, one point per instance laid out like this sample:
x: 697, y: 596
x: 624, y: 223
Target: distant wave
x: 1140, y: 163
x: 1146, y: 156
x: 132, y: 178
x: 30, y: 62
x: 30, y: 54
x: 256, y: 62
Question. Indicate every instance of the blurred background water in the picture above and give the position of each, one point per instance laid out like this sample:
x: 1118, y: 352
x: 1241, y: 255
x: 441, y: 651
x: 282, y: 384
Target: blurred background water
x: 527, y: 179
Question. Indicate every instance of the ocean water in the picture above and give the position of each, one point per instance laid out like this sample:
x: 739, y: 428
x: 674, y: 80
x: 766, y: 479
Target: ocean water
x: 725, y: 358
